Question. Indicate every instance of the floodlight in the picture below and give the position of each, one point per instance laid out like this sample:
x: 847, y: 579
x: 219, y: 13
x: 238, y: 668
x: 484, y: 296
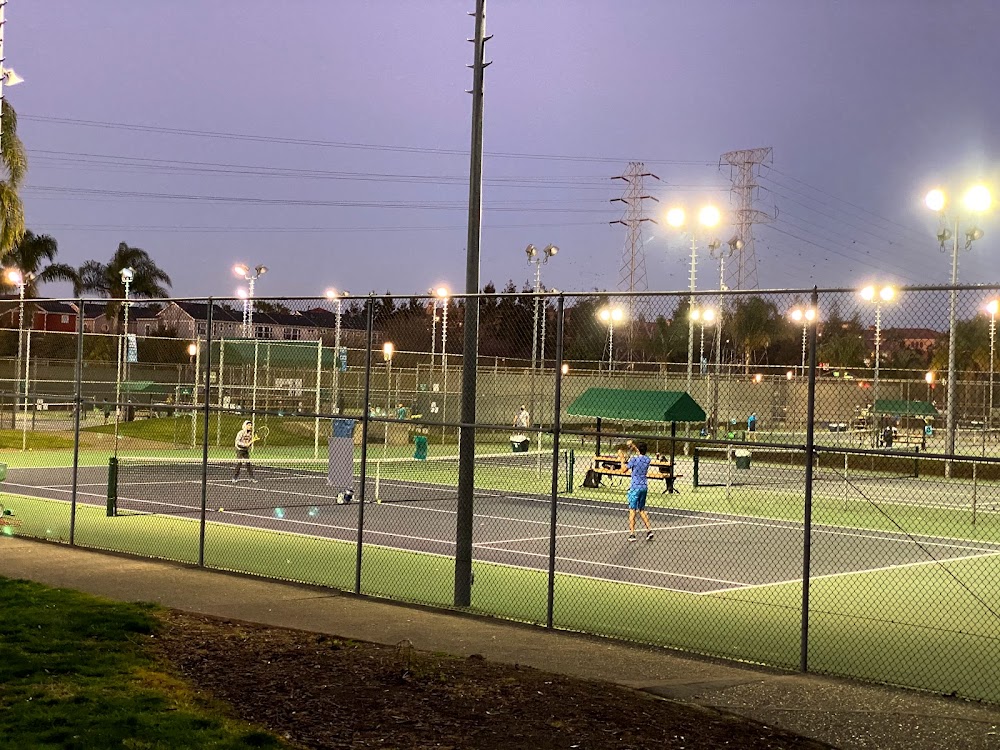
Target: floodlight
x: 261, y: 270
x: 992, y: 306
x: 604, y: 315
x: 797, y: 315
x: 442, y: 292
x: 550, y: 250
x: 15, y: 277
x: 128, y: 274
x: 935, y: 200
x: 242, y: 293
x: 675, y: 217
x: 789, y: 375
x: 758, y: 378
x: 10, y: 78
x: 978, y: 198
x: 531, y: 251
x: 331, y: 294
x: 709, y: 216
x: 929, y: 377
x: 617, y: 314
x: 868, y: 293
x: 192, y: 349
x: 565, y: 369
x: 735, y: 244
x: 241, y: 270
x: 708, y: 315
x: 887, y: 293
x: 388, y: 349
x: 973, y: 234
x: 810, y: 314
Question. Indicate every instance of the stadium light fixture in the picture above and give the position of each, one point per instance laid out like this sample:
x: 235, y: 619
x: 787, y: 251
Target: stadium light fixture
x: 805, y: 316
x: 611, y: 315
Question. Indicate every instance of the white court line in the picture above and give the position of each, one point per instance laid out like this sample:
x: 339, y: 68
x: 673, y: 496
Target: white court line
x: 842, y: 574
x: 607, y: 532
x: 739, y: 584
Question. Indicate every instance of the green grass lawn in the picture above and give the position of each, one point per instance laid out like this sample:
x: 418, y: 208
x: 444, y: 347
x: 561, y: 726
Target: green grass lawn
x: 927, y: 626
x: 12, y: 440
x: 76, y: 674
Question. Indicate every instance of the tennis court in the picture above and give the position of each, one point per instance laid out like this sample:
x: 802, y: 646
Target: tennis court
x: 694, y: 551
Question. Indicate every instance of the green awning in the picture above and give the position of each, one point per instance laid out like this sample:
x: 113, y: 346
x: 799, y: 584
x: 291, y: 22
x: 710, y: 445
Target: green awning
x: 905, y: 408
x: 637, y: 406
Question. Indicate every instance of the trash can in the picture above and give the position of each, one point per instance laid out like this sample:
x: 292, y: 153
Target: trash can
x: 742, y: 459
x: 343, y: 428
x: 420, y: 447
x: 519, y: 443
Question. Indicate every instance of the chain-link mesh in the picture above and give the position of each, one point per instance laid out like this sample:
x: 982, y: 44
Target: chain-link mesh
x: 787, y: 438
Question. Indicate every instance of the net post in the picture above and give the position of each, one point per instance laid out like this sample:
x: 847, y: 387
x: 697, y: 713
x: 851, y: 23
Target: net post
x: 78, y: 407
x: 570, y: 468
x: 206, y: 422
x: 112, y: 506
x: 365, y: 424
x: 695, y: 456
x: 556, y: 434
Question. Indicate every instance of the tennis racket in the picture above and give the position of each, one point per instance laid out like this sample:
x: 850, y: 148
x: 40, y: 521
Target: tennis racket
x: 260, y: 435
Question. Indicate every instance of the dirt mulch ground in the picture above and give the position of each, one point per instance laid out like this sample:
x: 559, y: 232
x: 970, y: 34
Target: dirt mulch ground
x: 323, y: 692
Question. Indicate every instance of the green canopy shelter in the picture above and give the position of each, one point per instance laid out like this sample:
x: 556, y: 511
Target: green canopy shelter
x: 628, y: 405
x: 900, y: 408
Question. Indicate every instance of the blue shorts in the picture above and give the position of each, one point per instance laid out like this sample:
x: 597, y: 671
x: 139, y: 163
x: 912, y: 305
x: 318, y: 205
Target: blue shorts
x: 636, y: 499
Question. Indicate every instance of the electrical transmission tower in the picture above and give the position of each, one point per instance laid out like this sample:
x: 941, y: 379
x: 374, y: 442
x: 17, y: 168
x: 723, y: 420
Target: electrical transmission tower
x: 744, y: 169
x: 632, y: 276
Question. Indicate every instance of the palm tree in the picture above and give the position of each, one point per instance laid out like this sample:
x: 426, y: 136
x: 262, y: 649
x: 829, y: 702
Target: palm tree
x: 29, y: 256
x: 105, y: 280
x: 13, y: 166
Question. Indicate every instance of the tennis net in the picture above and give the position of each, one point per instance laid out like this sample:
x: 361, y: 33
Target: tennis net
x: 725, y: 466
x: 142, y: 485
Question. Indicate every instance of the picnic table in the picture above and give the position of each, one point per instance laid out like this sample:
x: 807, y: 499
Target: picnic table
x: 617, y: 466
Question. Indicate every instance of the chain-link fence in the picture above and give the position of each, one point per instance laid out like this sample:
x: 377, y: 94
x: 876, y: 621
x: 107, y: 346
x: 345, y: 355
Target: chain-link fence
x: 821, y: 472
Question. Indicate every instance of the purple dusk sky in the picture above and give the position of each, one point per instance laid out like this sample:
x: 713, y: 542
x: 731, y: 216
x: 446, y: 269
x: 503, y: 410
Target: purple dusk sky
x: 329, y: 140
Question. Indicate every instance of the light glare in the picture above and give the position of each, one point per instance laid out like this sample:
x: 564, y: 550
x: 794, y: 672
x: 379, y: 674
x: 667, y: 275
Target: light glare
x: 709, y: 216
x: 935, y: 200
x: 978, y: 198
x: 992, y: 306
x: 675, y: 217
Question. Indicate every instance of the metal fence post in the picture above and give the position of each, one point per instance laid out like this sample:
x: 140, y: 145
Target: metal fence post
x: 369, y: 334
x: 556, y: 432
x: 204, y: 438
x: 807, y: 514
x: 78, y: 407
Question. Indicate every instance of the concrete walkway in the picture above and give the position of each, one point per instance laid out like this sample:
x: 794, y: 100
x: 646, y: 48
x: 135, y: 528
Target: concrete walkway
x: 841, y: 713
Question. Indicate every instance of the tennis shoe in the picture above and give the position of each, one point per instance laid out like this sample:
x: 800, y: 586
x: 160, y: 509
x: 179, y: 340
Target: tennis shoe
x: 649, y: 536
x: 631, y: 537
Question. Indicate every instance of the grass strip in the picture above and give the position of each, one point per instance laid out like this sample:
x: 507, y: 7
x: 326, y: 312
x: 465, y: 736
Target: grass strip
x: 76, y: 675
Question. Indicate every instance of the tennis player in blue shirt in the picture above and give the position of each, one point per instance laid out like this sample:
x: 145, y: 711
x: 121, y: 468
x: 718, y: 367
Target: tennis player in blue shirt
x: 638, y: 466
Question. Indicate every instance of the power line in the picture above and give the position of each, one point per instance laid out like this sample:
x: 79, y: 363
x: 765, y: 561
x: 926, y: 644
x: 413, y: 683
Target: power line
x: 297, y: 230
x: 334, y: 144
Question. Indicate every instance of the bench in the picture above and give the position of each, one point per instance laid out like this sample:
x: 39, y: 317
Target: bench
x: 613, y: 466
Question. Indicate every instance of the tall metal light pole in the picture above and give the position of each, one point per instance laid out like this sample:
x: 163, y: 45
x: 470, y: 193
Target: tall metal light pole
x: 20, y: 280
x: 250, y: 275
x: 194, y: 357
x: 708, y: 217
x: 338, y: 299
x: 611, y: 315
x: 805, y: 316
x: 704, y: 316
x: 877, y: 296
x: 127, y: 276
x: 388, y: 349
x: 442, y: 294
x: 977, y: 200
x: 991, y: 307
x: 538, y: 260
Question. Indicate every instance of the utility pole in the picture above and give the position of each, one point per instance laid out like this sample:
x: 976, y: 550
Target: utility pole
x: 632, y: 276
x: 470, y: 351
